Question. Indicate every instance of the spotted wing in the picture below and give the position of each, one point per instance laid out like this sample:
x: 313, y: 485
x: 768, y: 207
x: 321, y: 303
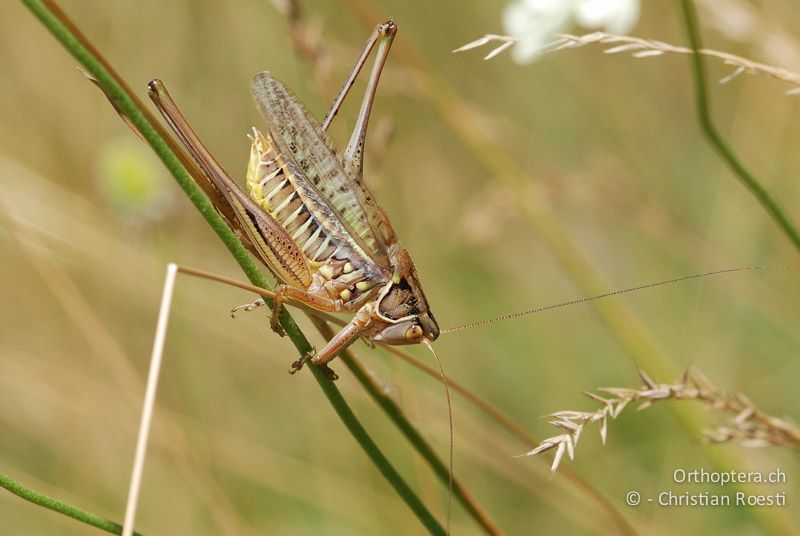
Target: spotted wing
x: 300, y: 140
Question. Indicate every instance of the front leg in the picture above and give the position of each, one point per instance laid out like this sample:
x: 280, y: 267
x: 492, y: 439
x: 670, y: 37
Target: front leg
x: 345, y: 337
x: 321, y: 303
x: 310, y: 299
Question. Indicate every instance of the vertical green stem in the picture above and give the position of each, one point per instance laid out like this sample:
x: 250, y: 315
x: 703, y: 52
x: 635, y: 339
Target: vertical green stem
x: 710, y: 131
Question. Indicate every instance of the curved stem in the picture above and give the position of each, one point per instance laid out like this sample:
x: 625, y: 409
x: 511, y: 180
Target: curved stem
x: 710, y: 131
x: 116, y: 90
x: 61, y: 507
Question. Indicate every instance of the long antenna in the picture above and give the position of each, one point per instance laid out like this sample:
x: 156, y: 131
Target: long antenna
x: 450, y: 419
x: 510, y: 316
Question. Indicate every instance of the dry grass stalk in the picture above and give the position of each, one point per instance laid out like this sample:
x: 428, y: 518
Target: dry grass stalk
x: 747, y: 425
x: 642, y: 48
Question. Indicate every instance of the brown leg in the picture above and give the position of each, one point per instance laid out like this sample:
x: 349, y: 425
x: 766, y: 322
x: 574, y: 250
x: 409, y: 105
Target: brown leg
x: 346, y: 336
x: 314, y: 301
x: 353, y: 157
x: 382, y: 35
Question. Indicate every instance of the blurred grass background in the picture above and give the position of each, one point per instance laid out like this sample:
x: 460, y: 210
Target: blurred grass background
x: 612, y: 160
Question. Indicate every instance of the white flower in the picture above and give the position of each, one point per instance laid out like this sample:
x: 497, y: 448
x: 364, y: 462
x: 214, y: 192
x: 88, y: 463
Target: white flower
x: 613, y: 16
x: 538, y: 22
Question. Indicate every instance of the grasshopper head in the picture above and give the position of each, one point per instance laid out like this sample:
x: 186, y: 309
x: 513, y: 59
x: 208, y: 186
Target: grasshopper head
x: 405, y: 305
x: 411, y: 331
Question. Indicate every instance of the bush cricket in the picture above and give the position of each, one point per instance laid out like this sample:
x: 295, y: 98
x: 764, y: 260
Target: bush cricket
x: 398, y: 312
x: 310, y: 218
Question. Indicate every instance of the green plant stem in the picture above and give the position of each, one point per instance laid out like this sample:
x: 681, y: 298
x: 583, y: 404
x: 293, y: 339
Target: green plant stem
x: 77, y: 45
x: 393, y: 411
x: 61, y: 507
x: 371, y: 449
x: 415, y: 438
x: 710, y: 131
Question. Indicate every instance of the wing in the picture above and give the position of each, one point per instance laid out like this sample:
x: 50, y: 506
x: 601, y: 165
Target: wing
x: 299, y: 138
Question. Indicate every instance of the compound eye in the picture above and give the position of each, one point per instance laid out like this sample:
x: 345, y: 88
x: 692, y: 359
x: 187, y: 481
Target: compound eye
x: 414, y: 333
